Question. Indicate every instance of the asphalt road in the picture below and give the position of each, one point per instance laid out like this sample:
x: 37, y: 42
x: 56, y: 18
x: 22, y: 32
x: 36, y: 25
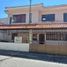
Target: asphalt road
x: 8, y: 61
x: 35, y: 56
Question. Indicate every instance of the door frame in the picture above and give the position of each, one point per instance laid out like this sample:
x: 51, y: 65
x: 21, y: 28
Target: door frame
x: 41, y: 36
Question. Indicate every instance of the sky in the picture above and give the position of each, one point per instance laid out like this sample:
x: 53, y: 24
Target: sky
x: 11, y: 3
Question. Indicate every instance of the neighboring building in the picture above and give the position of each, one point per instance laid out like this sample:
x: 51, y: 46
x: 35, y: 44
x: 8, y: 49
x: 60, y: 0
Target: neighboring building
x: 4, y: 21
x: 47, y: 31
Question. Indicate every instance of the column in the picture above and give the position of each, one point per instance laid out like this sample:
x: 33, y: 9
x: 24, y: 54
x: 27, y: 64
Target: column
x: 45, y: 37
x: 30, y: 36
x: 37, y: 38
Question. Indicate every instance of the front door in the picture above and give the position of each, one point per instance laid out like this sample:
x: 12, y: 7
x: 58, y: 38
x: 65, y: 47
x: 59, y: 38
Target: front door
x: 41, y: 39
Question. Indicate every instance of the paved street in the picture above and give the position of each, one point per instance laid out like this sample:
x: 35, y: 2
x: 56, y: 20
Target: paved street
x: 36, y: 56
x: 7, y: 61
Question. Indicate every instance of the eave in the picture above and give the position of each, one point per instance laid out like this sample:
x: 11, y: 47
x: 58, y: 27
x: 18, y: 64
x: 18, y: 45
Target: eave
x: 34, y: 26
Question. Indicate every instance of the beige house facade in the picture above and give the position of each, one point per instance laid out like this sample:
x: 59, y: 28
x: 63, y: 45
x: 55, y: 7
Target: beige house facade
x: 47, y: 32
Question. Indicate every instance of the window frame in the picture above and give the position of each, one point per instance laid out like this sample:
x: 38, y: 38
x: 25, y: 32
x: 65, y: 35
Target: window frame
x: 19, y: 18
x: 48, y: 17
x: 64, y: 17
x: 56, y: 36
x: 34, y: 37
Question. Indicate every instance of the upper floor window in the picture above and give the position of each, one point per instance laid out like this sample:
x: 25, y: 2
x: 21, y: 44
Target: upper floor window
x: 20, y: 18
x: 65, y: 17
x: 48, y: 17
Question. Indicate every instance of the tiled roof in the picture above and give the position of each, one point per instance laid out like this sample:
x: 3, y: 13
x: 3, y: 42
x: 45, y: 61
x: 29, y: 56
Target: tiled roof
x: 34, y: 26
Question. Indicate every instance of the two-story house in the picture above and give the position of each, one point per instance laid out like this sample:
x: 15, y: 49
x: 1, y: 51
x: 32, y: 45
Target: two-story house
x: 47, y: 31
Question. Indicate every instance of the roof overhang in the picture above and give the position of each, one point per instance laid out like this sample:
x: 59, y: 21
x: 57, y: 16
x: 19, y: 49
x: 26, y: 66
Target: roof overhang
x: 34, y: 26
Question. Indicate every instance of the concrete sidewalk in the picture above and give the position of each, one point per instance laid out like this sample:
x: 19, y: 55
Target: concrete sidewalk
x: 21, y: 62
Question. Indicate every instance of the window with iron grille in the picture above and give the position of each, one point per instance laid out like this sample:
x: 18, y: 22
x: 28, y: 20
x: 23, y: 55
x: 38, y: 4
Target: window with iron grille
x: 60, y: 36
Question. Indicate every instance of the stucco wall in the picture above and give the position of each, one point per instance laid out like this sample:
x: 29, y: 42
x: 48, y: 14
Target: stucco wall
x: 58, y: 15
x: 51, y: 49
x: 25, y: 10
x: 4, y: 35
x: 15, y: 46
x: 50, y: 42
x: 37, y: 11
x: 1, y: 36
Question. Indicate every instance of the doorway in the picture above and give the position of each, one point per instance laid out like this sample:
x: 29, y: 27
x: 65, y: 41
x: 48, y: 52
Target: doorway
x: 41, y: 38
x: 13, y: 35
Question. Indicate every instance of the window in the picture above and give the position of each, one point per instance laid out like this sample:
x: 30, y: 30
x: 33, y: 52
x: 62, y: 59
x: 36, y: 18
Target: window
x: 34, y: 37
x: 48, y: 17
x: 65, y: 36
x: 56, y: 36
x: 65, y: 17
x: 19, y: 18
